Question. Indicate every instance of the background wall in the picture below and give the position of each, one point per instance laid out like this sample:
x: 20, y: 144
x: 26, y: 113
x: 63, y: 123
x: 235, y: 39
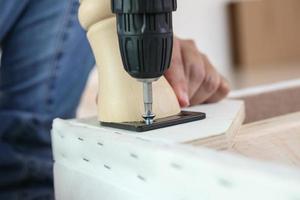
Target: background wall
x: 207, y: 23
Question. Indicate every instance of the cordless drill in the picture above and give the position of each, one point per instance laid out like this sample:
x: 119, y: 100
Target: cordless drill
x: 145, y: 33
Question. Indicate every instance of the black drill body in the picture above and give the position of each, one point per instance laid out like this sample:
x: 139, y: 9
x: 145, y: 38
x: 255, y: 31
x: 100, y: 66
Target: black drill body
x: 145, y: 34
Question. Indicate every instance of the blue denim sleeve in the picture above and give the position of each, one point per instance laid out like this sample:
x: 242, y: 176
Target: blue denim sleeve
x: 45, y: 63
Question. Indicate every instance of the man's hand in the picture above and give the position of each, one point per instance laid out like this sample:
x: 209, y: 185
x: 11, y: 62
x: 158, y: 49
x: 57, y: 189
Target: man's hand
x: 193, y: 77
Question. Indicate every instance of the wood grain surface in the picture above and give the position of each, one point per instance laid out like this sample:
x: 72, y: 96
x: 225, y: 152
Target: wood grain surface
x: 276, y: 140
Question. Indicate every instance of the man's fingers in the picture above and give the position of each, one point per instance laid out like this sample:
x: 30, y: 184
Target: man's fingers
x: 209, y: 85
x: 176, y: 76
x: 192, y: 77
x: 178, y: 82
x: 193, y: 65
x: 221, y: 93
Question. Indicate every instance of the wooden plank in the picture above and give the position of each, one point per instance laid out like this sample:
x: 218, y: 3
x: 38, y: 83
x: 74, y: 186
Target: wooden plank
x: 276, y: 139
x: 223, y: 141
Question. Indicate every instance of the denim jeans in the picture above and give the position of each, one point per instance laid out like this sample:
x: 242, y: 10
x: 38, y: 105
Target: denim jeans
x: 44, y: 66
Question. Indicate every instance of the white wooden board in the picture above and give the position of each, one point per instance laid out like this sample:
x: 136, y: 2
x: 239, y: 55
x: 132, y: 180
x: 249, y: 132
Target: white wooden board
x: 220, y: 118
x: 87, y: 158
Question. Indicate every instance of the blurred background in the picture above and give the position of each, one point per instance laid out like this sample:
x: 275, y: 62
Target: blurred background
x: 251, y: 42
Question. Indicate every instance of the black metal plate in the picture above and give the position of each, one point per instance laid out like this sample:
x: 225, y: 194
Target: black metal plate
x: 181, y: 118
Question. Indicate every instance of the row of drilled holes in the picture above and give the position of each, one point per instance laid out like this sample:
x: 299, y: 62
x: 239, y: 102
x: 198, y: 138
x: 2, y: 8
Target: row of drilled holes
x: 176, y: 166
x: 135, y: 156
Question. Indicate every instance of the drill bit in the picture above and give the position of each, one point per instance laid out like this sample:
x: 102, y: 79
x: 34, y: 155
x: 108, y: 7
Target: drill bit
x: 148, y: 101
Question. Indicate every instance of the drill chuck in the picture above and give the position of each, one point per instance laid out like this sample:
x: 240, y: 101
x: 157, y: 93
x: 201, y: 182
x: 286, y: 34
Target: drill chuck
x: 145, y: 35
